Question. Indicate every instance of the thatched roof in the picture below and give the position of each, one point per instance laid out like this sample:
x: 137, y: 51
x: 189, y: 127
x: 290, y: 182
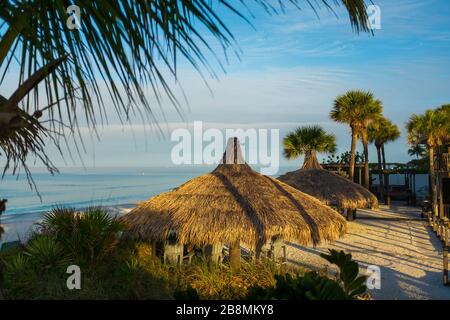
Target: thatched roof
x: 331, y: 188
x: 234, y: 202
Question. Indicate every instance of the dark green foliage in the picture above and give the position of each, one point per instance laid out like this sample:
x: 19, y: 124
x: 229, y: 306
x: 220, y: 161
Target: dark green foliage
x: 187, y: 294
x: 44, y: 252
x: 309, y: 286
x: 352, y: 284
x: 312, y: 286
x: 344, y: 158
x: 87, y: 236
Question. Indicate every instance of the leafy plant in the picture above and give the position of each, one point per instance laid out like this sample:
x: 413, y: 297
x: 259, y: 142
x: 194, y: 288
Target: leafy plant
x: 87, y: 236
x: 44, y: 252
x: 187, y: 294
x: 312, y: 286
x: 17, y: 263
x: 308, y: 140
x: 352, y: 284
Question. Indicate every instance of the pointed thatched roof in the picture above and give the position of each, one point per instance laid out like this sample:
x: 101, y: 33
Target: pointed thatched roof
x: 234, y: 202
x: 330, y: 188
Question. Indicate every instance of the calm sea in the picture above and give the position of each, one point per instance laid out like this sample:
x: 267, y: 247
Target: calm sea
x: 80, y: 188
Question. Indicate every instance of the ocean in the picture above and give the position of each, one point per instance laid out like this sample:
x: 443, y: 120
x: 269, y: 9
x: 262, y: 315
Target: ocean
x: 81, y: 188
x: 109, y: 187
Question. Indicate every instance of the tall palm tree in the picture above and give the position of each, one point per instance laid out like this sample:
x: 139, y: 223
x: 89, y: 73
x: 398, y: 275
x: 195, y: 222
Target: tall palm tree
x: 307, y: 141
x: 380, y: 132
x: 357, y: 109
x: 416, y: 150
x: 122, y: 46
x: 430, y: 128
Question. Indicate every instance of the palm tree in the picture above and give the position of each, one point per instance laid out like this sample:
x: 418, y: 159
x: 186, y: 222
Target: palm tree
x: 124, y: 46
x: 308, y: 140
x: 357, y: 109
x: 416, y: 150
x: 430, y: 128
x: 22, y: 134
x: 380, y: 132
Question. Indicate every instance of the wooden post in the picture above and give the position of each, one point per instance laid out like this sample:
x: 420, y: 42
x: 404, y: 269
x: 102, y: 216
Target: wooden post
x: 441, y: 196
x: 445, y: 260
x: 235, y: 255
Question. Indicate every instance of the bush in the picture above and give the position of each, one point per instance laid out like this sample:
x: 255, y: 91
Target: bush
x: 312, y: 286
x: 87, y: 237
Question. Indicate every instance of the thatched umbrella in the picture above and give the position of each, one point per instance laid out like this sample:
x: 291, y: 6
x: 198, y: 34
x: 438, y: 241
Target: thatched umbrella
x: 331, y: 188
x: 234, y: 204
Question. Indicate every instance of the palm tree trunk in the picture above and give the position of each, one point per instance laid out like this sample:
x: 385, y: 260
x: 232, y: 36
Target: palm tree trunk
x: 433, y: 181
x: 366, y: 161
x: 380, y: 172
x: 311, y: 161
x: 235, y: 255
x: 386, y: 176
x: 352, y: 155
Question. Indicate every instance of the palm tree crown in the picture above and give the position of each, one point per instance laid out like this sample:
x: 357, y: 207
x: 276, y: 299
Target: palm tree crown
x: 307, y: 141
x: 381, y: 131
x: 429, y: 128
x: 417, y: 150
x: 356, y: 108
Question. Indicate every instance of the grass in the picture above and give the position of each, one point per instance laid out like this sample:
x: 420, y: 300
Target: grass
x: 122, y: 268
x: 128, y: 273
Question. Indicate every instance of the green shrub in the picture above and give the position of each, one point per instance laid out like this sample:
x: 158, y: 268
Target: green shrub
x: 187, y: 294
x: 44, y: 252
x: 352, y: 285
x: 312, y: 286
x: 87, y: 236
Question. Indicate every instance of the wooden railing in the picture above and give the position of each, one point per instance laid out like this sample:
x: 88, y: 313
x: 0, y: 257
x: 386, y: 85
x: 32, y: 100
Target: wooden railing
x: 442, y: 228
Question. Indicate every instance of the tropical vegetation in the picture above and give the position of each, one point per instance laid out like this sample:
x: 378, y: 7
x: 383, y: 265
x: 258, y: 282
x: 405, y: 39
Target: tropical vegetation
x: 308, y: 141
x: 358, y: 109
x: 380, y: 132
x: 349, y: 285
x: 115, y: 267
x: 432, y: 128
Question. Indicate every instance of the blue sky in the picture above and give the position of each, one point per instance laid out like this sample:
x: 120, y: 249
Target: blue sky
x: 290, y: 70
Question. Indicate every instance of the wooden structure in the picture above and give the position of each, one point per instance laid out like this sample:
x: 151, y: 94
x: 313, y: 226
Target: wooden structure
x: 405, y: 192
x: 331, y: 188
x: 335, y: 167
x: 440, y: 222
x: 232, y: 205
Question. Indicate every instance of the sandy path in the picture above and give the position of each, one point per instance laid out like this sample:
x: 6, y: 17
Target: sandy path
x: 403, y: 246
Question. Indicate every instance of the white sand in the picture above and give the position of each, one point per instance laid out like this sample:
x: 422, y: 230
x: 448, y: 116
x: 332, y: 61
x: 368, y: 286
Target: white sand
x: 403, y: 246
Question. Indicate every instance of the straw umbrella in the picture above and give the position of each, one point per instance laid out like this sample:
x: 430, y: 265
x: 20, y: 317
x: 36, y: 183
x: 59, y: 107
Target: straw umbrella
x: 232, y: 205
x: 330, y: 188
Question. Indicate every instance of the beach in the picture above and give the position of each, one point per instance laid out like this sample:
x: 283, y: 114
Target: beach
x: 395, y: 239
